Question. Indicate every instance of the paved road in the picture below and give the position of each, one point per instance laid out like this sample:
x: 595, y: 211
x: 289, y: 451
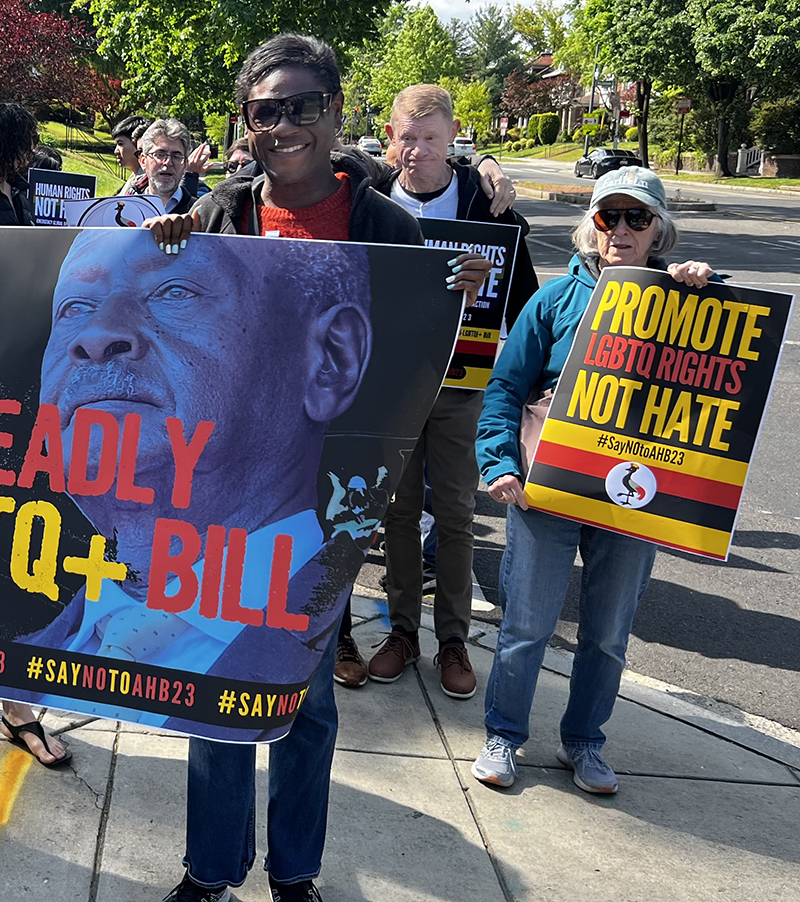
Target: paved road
x: 727, y: 631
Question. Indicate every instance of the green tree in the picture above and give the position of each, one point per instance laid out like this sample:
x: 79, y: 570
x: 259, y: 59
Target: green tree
x: 745, y: 49
x: 494, y: 53
x: 776, y: 125
x: 422, y: 51
x: 644, y: 41
x: 541, y: 27
x: 472, y: 104
x: 186, y: 53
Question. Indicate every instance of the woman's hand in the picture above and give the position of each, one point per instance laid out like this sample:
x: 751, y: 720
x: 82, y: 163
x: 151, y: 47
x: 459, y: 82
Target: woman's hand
x: 469, y: 271
x: 509, y: 490
x: 691, y: 273
x: 171, y: 232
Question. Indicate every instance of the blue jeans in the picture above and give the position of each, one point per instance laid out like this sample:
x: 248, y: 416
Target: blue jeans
x: 220, y: 817
x: 534, y: 573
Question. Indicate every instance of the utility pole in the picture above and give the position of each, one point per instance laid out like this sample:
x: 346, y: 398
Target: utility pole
x: 591, y: 97
x: 616, y: 106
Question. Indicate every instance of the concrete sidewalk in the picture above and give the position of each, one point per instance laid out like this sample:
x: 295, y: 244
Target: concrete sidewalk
x: 708, y: 806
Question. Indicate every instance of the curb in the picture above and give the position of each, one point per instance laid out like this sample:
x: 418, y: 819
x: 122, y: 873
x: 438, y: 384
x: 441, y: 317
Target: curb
x: 582, y: 200
x: 755, y: 734
x: 748, y: 731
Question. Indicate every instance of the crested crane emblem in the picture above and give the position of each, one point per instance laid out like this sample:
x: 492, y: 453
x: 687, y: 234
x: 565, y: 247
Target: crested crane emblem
x: 631, y: 485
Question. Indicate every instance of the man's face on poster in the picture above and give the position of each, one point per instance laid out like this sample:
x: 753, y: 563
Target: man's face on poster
x: 207, y: 335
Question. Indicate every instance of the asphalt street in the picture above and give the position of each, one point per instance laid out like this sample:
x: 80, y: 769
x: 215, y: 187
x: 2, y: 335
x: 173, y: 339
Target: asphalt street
x: 728, y: 631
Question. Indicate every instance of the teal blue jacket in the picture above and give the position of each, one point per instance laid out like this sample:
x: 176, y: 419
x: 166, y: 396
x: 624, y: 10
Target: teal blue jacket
x: 534, y: 354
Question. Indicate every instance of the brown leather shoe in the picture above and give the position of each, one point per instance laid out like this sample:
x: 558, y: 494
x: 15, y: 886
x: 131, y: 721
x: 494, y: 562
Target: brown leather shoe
x: 396, y: 652
x: 350, y: 669
x: 458, y: 678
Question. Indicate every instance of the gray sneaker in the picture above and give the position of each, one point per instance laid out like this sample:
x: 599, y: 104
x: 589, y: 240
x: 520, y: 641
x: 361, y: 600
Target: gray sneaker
x: 589, y: 769
x: 496, y: 764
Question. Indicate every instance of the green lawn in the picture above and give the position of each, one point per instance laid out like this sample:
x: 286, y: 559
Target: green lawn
x: 710, y: 179
x: 57, y: 131
x: 108, y: 183
x: 100, y: 162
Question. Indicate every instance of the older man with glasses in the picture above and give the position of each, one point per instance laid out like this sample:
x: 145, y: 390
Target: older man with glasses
x: 165, y: 148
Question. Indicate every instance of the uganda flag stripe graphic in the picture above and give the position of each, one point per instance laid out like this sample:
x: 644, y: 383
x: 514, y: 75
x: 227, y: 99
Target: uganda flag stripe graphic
x: 657, y: 411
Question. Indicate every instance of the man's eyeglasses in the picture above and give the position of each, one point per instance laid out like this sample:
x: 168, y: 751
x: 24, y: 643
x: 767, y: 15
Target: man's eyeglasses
x: 235, y: 165
x: 637, y: 219
x: 162, y: 157
x: 299, y: 109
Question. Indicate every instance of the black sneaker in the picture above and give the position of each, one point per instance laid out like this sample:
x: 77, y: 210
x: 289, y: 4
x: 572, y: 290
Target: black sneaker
x: 189, y: 891
x: 305, y: 891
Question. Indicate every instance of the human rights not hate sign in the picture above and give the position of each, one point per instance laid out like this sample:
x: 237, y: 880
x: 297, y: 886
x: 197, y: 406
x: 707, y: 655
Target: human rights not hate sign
x: 196, y: 452
x: 50, y: 189
x: 479, y: 338
x: 653, y: 424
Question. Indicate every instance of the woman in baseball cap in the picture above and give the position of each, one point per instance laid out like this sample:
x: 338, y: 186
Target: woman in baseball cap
x: 627, y: 224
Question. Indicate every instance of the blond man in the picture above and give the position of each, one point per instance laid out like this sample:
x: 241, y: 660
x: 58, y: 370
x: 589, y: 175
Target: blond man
x: 427, y: 185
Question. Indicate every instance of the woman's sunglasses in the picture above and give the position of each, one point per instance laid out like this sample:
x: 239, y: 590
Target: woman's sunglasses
x: 637, y: 219
x: 299, y: 109
x: 235, y: 165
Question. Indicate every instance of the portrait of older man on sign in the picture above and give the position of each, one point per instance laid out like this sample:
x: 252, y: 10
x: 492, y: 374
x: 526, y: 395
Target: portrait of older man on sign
x: 192, y: 396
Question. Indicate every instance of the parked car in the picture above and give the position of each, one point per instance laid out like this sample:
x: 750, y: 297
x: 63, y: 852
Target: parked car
x: 463, y: 147
x: 370, y: 145
x: 602, y: 160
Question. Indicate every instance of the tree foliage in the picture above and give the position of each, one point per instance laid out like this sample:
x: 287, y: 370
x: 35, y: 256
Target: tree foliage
x: 776, y: 125
x: 420, y: 52
x: 525, y: 96
x: 723, y: 53
x: 472, y: 104
x: 43, y: 59
x: 541, y: 26
x: 186, y: 53
x: 494, y: 54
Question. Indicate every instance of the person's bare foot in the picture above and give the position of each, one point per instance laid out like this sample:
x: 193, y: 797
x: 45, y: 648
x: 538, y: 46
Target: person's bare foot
x: 17, y: 714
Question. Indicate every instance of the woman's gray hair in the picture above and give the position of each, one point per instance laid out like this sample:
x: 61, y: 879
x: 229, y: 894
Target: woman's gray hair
x: 585, y: 235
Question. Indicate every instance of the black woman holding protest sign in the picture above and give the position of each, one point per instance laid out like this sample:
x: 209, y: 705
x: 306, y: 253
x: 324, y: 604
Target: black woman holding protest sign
x: 627, y: 224
x: 19, y: 135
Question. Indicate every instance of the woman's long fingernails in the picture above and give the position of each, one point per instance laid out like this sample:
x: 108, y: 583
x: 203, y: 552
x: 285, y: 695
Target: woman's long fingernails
x: 168, y: 249
x: 456, y: 269
x: 174, y: 248
x: 183, y: 244
x: 452, y: 262
x: 161, y: 245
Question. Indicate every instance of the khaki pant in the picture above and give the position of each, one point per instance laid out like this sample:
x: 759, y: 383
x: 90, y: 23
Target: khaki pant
x: 447, y: 449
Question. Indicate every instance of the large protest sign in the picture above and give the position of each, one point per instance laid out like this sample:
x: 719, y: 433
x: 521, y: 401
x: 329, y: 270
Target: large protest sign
x: 197, y: 450
x: 49, y: 189
x: 126, y: 211
x: 476, y: 348
x: 655, y: 418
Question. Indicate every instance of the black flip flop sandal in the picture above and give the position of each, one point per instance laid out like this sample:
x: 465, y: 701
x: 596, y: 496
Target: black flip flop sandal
x: 37, y: 730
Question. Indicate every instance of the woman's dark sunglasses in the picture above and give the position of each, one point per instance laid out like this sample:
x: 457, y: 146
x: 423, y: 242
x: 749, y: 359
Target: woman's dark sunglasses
x: 300, y: 109
x: 235, y: 165
x: 637, y: 219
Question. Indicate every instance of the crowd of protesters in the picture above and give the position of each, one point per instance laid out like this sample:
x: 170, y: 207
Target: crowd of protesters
x: 290, y: 94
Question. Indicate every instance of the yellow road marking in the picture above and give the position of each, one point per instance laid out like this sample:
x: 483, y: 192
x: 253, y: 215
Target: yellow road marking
x: 13, y: 768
